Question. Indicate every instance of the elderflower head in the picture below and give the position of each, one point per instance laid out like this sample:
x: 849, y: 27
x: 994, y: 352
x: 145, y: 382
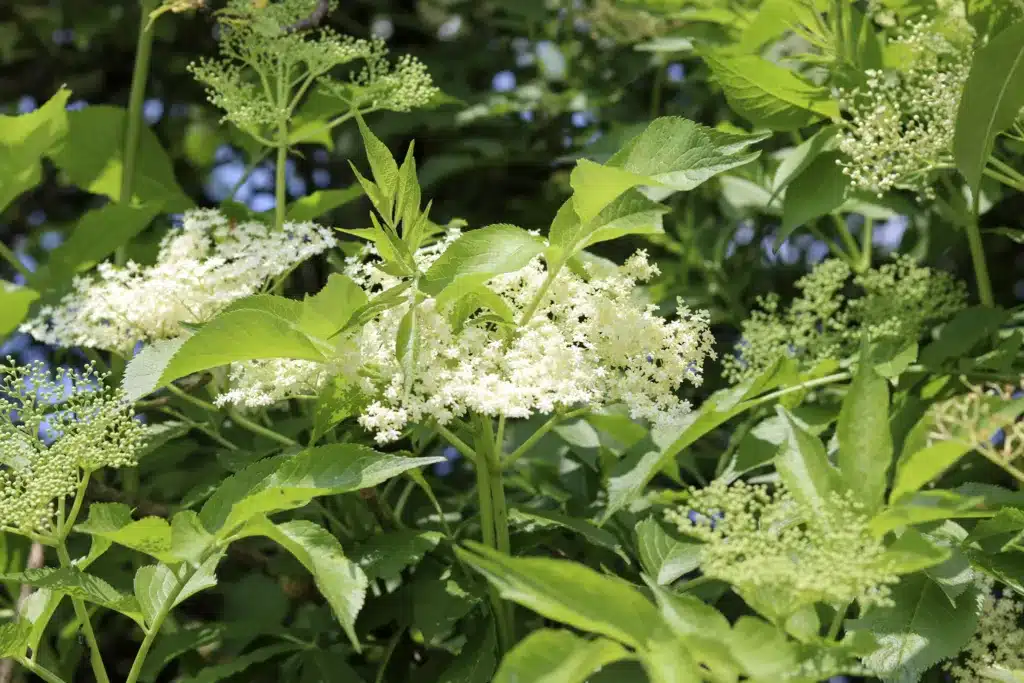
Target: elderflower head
x: 50, y: 430
x: 998, y: 640
x: 199, y: 271
x: 781, y: 553
x: 588, y: 343
x: 902, y: 121
x: 896, y: 301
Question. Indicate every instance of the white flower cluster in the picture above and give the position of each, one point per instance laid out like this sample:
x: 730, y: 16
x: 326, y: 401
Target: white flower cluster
x: 998, y: 641
x: 262, y: 383
x: 902, y: 122
x: 588, y: 343
x: 200, y: 269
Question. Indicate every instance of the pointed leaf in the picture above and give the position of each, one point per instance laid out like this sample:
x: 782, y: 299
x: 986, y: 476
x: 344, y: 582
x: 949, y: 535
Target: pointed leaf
x: 865, y: 443
x: 24, y: 140
x: 554, y: 656
x: 992, y: 99
x: 665, y: 558
x: 481, y: 254
x: 75, y: 583
x: 15, y: 302
x: 803, y: 465
x: 160, y: 588
x: 320, y: 202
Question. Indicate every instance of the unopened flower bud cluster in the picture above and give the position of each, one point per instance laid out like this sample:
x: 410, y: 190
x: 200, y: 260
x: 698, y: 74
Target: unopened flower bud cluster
x: 51, y: 429
x: 200, y: 269
x: 895, y: 302
x: 780, y: 552
x: 903, y: 120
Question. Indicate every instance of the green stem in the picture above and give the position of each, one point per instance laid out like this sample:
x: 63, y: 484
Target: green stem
x: 494, y: 520
x: 1005, y: 180
x: 280, y: 187
x: 530, y: 442
x: 246, y: 423
x: 95, y: 658
x: 844, y: 234
x: 809, y: 384
x: 459, y: 444
x: 531, y: 308
x: 867, y: 244
x: 837, y: 622
x: 1007, y: 170
x: 15, y: 262
x: 978, y: 257
x: 40, y: 671
x: 140, y: 74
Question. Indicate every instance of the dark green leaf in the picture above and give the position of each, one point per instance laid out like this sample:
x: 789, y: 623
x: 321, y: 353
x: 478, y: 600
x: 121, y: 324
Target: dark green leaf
x: 817, y: 191
x: 865, y: 444
x: 550, y: 656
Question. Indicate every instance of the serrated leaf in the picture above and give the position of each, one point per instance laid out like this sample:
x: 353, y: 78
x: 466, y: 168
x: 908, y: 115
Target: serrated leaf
x: 631, y: 213
x: 555, y: 656
x: 665, y: 558
x: 286, y: 482
x: 320, y: 202
x: 113, y: 521
x: 234, y: 336
x: 75, y: 583
x: 479, y: 255
x: 913, y: 552
x: 385, y: 170
x: 159, y: 587
x: 342, y: 583
x: 991, y: 100
x: 922, y: 628
x: 335, y: 304
x: 865, y: 443
x: 384, y: 556
x: 803, y: 465
x: 569, y: 593
x: 92, y: 155
x: 769, y: 95
x: 959, y: 335
x: 920, y: 467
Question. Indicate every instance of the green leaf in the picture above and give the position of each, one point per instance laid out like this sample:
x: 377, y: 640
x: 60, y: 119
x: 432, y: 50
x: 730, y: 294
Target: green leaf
x: 338, y: 401
x: 342, y: 583
x: 665, y: 558
x: 913, y: 551
x: 992, y: 99
x: 865, y: 443
x: 797, y: 161
x: 959, y: 335
x: 1007, y: 568
x: 287, y: 482
x: 803, y: 465
x: 170, y: 646
x: 595, y: 186
x: 555, y: 656
x: 769, y: 95
x: 817, y: 191
x: 679, y: 155
x: 628, y: 214
x: 239, y: 663
x: 15, y: 302
x: 335, y: 304
x: 92, y: 156
x: 97, y: 235
x: 922, y: 628
x: 113, y: 521
x: 24, y: 140
x: 477, y: 661
x: 667, y: 660
x: 569, y: 593
x: 75, y: 583
x: 762, y: 649
x: 384, y: 556
x: 920, y: 467
x: 320, y: 202
x: 14, y: 638
x: 230, y: 337
x: 927, y: 506
x: 383, y: 166
x: 159, y: 587
x: 479, y: 255
x: 688, y: 615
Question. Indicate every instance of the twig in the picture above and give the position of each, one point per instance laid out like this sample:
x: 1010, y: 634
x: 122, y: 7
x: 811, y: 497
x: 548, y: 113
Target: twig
x: 35, y: 561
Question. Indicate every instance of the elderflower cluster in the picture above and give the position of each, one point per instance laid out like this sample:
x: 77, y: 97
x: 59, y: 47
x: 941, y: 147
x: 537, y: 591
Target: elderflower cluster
x: 262, y: 383
x: 902, y: 121
x: 998, y: 640
x: 588, y: 342
x: 782, y: 554
x: 50, y: 430
x: 896, y: 302
x: 200, y: 269
x: 258, y: 49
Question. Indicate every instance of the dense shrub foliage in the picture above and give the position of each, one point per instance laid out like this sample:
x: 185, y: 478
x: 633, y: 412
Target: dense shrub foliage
x: 683, y: 345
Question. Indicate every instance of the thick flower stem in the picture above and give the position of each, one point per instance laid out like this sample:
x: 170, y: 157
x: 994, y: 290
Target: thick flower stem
x: 494, y: 522
x: 137, y: 95
x: 978, y: 260
x: 280, y: 182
